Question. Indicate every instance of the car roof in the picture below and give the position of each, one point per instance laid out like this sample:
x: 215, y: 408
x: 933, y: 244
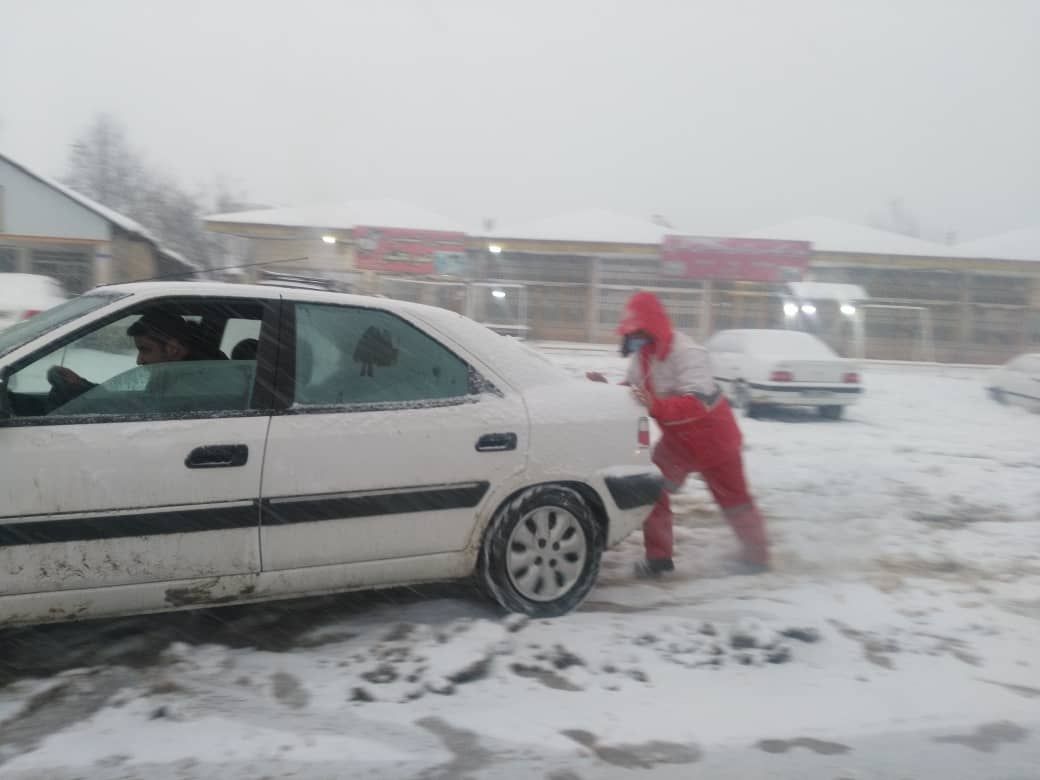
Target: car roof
x: 268, y: 291
x: 14, y: 287
x: 763, y: 332
x: 30, y: 281
x: 774, y: 336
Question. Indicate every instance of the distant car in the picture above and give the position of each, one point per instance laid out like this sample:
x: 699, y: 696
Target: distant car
x: 25, y: 295
x: 761, y: 368
x: 313, y: 442
x: 1018, y: 382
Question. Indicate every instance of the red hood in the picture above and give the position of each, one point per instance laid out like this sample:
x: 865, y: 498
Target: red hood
x: 645, y: 312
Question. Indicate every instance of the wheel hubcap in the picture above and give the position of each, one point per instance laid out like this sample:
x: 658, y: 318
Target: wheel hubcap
x: 546, y: 553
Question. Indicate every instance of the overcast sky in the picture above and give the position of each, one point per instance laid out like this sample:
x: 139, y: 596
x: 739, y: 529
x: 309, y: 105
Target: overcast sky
x: 723, y: 116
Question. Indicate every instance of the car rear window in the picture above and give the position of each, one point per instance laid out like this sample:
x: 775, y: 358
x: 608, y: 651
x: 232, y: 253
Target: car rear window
x: 790, y: 344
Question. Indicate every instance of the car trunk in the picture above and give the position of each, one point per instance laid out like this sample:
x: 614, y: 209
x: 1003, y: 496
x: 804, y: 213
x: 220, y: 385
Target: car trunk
x: 814, y: 371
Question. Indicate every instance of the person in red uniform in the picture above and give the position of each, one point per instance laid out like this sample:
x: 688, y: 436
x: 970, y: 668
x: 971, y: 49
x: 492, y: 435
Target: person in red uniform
x: 670, y: 374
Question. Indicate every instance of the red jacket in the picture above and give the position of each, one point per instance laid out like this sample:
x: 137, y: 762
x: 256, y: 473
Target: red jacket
x: 701, y: 436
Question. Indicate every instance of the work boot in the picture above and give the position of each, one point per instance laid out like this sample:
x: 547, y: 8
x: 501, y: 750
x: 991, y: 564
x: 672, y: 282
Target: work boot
x: 652, y: 568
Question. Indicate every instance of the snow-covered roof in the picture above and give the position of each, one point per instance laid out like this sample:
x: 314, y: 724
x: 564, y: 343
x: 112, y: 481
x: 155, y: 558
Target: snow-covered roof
x: 124, y: 223
x: 828, y: 291
x: 1023, y: 244
x: 589, y: 225
x: 345, y: 216
x: 832, y: 235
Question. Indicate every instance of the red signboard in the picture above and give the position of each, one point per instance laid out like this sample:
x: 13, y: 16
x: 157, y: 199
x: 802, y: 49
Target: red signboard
x: 734, y: 259
x: 403, y: 250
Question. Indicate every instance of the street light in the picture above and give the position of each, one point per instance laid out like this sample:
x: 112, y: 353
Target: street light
x: 848, y: 310
x: 498, y: 293
x: 494, y: 249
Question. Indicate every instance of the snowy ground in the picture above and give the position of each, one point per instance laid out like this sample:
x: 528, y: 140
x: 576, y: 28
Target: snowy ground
x: 896, y: 639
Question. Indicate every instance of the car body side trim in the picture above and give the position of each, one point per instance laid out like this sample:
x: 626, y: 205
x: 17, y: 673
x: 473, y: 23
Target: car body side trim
x: 289, y: 510
x: 119, y: 526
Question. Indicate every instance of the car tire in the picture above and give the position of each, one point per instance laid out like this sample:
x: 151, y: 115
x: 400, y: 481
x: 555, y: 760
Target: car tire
x: 832, y: 412
x: 541, y: 552
x: 998, y: 395
x: 742, y: 400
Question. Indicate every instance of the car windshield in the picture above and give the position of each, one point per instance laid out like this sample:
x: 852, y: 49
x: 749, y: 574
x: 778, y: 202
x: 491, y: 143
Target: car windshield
x: 27, y: 330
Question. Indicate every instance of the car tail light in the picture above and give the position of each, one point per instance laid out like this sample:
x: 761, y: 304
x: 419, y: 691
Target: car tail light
x: 30, y: 313
x: 643, y: 432
x: 781, y: 376
x: 851, y: 378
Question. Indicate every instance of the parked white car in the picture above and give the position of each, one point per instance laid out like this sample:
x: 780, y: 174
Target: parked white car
x: 349, y: 442
x: 761, y: 368
x: 1018, y: 382
x: 25, y: 295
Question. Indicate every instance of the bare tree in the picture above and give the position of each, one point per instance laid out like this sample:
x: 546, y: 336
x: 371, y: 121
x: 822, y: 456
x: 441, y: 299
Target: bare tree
x: 898, y: 219
x: 104, y: 166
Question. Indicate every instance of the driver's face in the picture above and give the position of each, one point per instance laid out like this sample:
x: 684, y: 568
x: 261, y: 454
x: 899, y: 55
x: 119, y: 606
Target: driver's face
x: 151, y: 350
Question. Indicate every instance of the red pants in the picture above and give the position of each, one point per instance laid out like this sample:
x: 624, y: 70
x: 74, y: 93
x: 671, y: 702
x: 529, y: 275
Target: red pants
x: 729, y: 488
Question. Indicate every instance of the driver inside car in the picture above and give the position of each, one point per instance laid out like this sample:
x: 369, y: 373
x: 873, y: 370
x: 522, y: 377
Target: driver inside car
x: 160, y: 336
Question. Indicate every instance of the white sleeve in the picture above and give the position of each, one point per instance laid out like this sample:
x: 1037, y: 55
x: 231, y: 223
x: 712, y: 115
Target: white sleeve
x: 693, y: 370
x: 634, y: 372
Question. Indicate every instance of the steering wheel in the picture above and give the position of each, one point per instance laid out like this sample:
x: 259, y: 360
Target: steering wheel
x: 62, y: 389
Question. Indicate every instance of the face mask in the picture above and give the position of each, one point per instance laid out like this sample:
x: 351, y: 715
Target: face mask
x: 632, y: 344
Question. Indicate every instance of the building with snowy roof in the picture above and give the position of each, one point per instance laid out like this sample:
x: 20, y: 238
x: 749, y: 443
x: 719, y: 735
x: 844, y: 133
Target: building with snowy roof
x: 974, y: 303
x: 49, y: 229
x: 345, y: 245
x: 567, y: 276
x: 1023, y: 244
x: 579, y: 268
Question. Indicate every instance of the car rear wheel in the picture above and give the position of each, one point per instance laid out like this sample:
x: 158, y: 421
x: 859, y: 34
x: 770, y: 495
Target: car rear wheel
x: 541, y: 553
x: 832, y: 412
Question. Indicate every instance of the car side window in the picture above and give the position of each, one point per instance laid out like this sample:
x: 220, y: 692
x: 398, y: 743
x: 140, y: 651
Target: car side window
x: 122, y: 368
x: 353, y: 355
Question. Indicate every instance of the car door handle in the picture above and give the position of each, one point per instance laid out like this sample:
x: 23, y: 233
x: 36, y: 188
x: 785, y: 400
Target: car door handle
x: 496, y: 442
x: 216, y: 456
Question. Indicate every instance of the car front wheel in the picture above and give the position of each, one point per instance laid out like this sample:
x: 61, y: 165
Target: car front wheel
x: 541, y: 553
x: 832, y: 412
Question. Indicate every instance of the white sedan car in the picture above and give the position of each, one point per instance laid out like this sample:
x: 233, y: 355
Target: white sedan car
x: 25, y: 295
x: 1018, y: 382
x: 312, y: 442
x: 762, y: 368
